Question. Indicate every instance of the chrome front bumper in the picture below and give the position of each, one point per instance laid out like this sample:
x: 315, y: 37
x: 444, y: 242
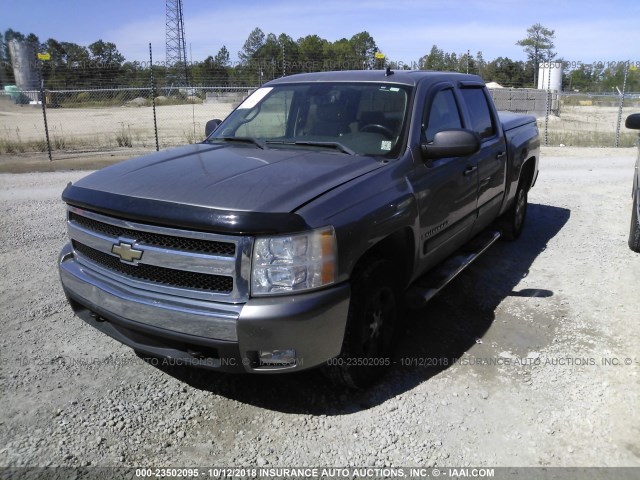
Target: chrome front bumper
x: 222, y: 336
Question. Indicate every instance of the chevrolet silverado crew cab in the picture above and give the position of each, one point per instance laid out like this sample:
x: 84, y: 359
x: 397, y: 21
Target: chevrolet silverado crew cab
x: 293, y: 236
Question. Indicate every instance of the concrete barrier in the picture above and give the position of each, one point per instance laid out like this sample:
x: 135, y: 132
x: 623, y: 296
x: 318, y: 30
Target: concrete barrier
x: 523, y: 100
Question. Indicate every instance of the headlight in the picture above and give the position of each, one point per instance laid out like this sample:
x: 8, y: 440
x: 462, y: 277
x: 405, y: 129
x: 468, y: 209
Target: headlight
x: 293, y: 263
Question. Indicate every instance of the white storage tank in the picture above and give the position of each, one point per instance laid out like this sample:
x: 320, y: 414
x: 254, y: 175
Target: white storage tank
x: 550, y: 76
x: 24, y: 65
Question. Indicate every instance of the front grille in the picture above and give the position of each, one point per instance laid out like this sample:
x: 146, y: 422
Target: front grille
x: 194, y: 245
x: 159, y: 275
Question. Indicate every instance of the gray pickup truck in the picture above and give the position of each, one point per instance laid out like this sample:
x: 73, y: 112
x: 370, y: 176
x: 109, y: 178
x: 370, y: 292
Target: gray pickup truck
x: 297, y: 232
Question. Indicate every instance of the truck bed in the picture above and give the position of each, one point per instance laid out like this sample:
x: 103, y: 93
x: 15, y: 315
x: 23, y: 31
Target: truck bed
x: 511, y: 120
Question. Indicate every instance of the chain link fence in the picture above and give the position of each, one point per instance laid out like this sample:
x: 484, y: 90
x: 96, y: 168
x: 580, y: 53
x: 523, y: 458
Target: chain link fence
x: 573, y: 119
x: 593, y: 120
x: 102, y: 121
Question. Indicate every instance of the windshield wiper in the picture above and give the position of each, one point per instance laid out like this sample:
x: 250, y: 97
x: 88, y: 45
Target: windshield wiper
x: 258, y: 143
x: 335, y: 145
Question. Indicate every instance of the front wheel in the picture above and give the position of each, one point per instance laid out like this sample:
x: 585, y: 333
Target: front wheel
x: 634, y: 231
x: 512, y: 222
x: 372, y: 321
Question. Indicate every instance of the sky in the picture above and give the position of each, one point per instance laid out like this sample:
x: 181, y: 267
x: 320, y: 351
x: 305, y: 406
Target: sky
x: 586, y: 31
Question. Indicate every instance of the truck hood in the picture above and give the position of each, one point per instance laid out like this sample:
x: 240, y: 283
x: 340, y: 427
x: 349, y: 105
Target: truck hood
x: 217, y: 178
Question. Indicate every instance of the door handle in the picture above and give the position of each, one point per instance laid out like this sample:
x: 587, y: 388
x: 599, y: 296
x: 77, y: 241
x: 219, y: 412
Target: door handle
x: 500, y: 156
x: 470, y: 170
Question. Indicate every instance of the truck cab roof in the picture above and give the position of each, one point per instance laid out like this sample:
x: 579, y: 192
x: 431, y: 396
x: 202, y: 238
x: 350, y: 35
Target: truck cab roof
x: 403, y: 77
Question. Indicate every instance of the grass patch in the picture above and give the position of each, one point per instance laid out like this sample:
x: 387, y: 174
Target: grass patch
x: 11, y: 142
x: 189, y: 136
x: 10, y: 146
x: 597, y: 101
x: 123, y: 137
x: 587, y: 139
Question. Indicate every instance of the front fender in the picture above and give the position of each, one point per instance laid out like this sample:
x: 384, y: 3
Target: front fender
x: 365, y: 211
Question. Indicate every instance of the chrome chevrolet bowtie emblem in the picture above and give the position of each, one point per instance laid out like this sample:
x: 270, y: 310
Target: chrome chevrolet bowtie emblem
x: 126, y: 252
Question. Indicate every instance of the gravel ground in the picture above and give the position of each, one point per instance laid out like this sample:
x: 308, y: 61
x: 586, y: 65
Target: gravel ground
x: 539, y: 329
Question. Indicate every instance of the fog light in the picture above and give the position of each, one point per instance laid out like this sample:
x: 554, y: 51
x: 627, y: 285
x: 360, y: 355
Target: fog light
x: 278, y: 358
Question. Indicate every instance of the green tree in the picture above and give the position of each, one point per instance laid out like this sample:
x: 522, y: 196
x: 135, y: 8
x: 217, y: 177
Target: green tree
x: 338, y: 55
x: 6, y: 71
x: 105, y: 53
x: 75, y: 55
x: 11, y: 34
x: 480, y: 63
x: 613, y: 78
x: 268, y: 58
x: 539, y: 47
x: 105, y: 62
x: 253, y: 43
x: 467, y: 64
x: 53, y: 70
x: 214, y: 70
x: 33, y: 40
x: 68, y: 65
x: 222, y: 58
x: 249, y: 70
x: 311, y: 50
x: 434, y: 60
x: 133, y: 74
x: 451, y: 62
x: 506, y: 72
x: 364, y: 49
x: 290, y: 55
x: 277, y: 56
x: 581, y: 79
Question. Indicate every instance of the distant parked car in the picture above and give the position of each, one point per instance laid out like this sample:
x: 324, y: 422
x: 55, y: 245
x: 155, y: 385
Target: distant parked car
x: 633, y: 121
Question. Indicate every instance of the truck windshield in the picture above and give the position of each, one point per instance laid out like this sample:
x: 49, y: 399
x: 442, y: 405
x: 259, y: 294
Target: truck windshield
x: 351, y: 118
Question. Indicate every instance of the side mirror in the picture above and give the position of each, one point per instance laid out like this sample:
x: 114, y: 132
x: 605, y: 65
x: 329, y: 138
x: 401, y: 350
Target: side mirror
x: 633, y: 121
x: 211, y: 126
x: 451, y: 143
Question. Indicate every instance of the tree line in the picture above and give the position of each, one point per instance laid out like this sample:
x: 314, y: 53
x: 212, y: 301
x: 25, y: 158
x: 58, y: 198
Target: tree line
x: 266, y: 56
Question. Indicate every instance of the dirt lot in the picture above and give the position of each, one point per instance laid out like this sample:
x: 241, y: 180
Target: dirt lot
x: 101, y: 129
x: 529, y: 358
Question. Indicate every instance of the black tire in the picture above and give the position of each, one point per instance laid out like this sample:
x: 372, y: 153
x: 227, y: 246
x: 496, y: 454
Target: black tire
x: 634, y: 231
x: 512, y: 222
x: 371, y: 327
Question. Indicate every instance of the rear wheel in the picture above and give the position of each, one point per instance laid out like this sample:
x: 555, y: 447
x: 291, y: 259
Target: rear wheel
x: 512, y: 222
x: 372, y: 321
x: 634, y: 232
